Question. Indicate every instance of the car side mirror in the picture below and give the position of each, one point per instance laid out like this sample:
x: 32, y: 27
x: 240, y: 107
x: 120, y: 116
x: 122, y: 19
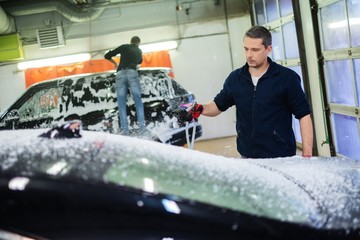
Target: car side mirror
x: 12, y: 118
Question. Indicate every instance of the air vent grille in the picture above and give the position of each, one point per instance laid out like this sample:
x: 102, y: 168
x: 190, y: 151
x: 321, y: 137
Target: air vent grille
x: 50, y: 37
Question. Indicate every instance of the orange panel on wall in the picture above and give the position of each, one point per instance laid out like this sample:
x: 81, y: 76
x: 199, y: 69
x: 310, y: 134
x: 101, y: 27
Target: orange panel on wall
x: 35, y: 75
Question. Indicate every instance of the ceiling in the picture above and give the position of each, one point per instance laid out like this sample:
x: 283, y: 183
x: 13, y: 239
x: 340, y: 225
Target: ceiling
x: 26, y: 16
x: 79, y: 19
x: 75, y: 11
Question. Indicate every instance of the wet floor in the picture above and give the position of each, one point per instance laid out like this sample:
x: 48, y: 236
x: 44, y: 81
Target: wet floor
x: 225, y: 146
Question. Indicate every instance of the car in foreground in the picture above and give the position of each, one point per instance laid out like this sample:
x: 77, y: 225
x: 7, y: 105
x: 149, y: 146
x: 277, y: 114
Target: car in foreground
x: 92, y: 99
x: 96, y: 185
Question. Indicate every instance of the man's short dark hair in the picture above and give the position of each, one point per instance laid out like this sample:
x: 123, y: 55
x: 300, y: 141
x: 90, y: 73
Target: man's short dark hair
x: 135, y: 40
x: 260, y: 32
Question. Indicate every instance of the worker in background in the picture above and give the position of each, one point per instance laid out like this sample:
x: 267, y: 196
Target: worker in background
x: 127, y: 78
x: 265, y: 95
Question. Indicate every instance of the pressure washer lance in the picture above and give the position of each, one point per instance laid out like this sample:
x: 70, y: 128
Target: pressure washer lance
x: 190, y: 142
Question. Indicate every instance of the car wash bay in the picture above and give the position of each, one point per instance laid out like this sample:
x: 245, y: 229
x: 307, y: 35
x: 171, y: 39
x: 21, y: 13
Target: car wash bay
x: 317, y: 39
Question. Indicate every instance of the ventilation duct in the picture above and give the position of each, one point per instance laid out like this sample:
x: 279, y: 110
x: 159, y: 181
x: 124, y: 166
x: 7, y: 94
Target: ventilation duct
x: 7, y: 24
x: 65, y: 8
x: 50, y: 37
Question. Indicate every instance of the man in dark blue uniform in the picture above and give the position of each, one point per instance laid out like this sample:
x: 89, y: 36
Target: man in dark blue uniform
x: 127, y: 78
x: 266, y: 95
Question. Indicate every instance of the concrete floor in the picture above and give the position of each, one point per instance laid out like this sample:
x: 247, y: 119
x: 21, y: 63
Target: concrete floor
x: 221, y: 146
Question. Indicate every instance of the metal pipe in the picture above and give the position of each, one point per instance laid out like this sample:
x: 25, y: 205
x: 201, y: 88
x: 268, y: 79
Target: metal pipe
x: 7, y: 24
x: 65, y: 8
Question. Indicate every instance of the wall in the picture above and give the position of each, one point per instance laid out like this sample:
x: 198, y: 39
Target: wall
x: 12, y: 85
x: 202, y: 63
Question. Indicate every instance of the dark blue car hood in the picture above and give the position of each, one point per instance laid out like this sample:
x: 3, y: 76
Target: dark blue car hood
x: 320, y: 192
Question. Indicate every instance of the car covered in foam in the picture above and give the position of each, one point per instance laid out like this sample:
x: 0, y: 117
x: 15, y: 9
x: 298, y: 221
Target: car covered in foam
x: 92, y: 99
x: 75, y: 184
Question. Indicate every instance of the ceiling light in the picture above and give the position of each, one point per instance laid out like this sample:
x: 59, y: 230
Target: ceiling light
x: 54, y: 61
x: 153, y: 47
x: 343, y: 23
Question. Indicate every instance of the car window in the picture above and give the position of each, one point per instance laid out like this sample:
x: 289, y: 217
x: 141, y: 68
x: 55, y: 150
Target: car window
x: 178, y: 89
x: 90, y: 91
x: 43, y: 103
x: 69, y: 96
x: 155, y: 84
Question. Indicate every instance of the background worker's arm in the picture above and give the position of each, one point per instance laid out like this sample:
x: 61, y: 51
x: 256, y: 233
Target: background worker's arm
x: 306, y: 130
x: 109, y: 56
x: 114, y: 62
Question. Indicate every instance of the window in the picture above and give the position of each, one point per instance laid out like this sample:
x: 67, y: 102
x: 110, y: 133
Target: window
x: 42, y: 104
x: 340, y: 88
x: 290, y: 41
x: 334, y: 27
x: 277, y: 53
x: 272, y: 10
x: 296, y: 123
x: 346, y: 131
x: 340, y: 29
x: 357, y: 78
x: 286, y: 7
x: 259, y: 10
x: 354, y: 22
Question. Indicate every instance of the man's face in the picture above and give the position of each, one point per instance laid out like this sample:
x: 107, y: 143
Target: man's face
x: 255, y: 52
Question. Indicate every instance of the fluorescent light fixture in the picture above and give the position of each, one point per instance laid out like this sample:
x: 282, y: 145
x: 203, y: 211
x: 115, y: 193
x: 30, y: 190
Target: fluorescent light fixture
x: 153, y: 47
x: 54, y: 61
x: 343, y: 23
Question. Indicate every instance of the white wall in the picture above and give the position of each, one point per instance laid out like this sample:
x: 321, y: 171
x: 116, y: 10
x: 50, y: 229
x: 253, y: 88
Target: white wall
x: 201, y: 65
x: 237, y: 29
x: 12, y: 85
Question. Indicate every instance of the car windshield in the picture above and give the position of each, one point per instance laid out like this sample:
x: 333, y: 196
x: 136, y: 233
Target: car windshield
x: 281, y: 189
x: 245, y: 185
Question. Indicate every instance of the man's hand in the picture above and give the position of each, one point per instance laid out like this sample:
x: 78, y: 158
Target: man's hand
x: 189, y: 112
x: 196, y: 110
x: 182, y: 115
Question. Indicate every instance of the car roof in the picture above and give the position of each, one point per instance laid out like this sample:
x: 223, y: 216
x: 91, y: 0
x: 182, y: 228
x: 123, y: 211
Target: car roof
x: 155, y: 68
x: 287, y: 189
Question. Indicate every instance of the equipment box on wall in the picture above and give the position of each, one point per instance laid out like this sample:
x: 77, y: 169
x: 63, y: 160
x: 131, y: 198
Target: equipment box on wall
x: 11, y: 47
